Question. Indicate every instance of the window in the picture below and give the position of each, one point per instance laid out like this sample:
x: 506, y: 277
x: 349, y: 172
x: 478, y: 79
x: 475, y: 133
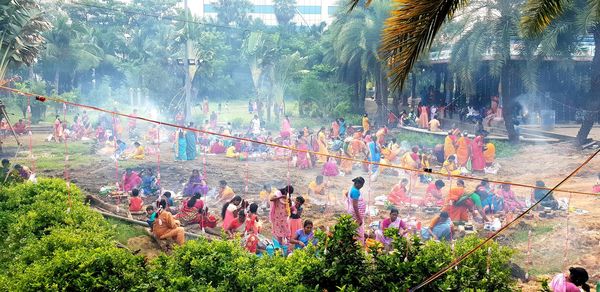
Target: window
x: 264, y: 9
x: 209, y: 8
x: 331, y: 10
x: 309, y: 9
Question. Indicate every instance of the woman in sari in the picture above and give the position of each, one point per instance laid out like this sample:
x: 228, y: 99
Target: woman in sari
x: 302, y: 157
x: 188, y: 214
x: 190, y: 142
x: 230, y: 211
x: 576, y: 278
x: 335, y: 128
x: 131, y: 180
x: 511, y: 203
x: 181, y: 146
x: 286, y: 128
x: 392, y: 222
x: 449, y: 145
x: 58, y: 131
x: 423, y: 117
x: 439, y: 229
x: 330, y: 168
x: 195, y: 184
x: 279, y: 212
x: 399, y: 194
x: 433, y: 194
x: 449, y: 167
x: 149, y: 183
x: 347, y: 163
x: 374, y: 155
x: 489, y: 153
x: 365, y: 124
x: 322, y: 142
x: 477, y: 159
x: 356, y: 206
x: 462, y: 150
x: 456, y: 210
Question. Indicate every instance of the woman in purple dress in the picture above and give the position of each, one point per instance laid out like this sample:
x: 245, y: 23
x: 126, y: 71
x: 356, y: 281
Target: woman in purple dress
x: 196, y: 184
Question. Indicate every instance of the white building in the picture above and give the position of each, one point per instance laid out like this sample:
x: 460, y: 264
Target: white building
x: 308, y: 12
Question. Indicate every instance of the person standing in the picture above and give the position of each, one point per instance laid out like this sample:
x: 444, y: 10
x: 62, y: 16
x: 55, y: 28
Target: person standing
x: 356, y: 206
x: 279, y: 213
x: 191, y: 139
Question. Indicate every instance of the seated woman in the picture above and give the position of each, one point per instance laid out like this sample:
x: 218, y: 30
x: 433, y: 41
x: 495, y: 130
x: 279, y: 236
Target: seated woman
x: 596, y: 188
x: 188, y: 214
x: 233, y: 226
x: 492, y: 204
x: 230, y: 211
x: 330, y: 168
x: 230, y: 153
x: 439, y: 229
x: 433, y: 194
x: 450, y: 167
x: 392, y: 222
x: 540, y: 194
x: 131, y: 180
x: 399, y: 194
x: 166, y: 226
x: 108, y: 146
x: 217, y: 147
x: 195, y: 184
x: 135, y: 202
x: 302, y: 237
x: 226, y: 193
x: 138, y: 153
x: 317, y: 187
x: 149, y: 184
x: 489, y: 153
x: 576, y: 278
x: 511, y: 203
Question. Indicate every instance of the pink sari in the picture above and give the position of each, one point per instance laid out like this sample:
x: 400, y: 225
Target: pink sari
x: 302, y: 161
x: 286, y: 128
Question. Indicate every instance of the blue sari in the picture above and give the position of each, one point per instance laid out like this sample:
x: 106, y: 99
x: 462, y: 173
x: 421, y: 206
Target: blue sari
x: 181, y: 149
x: 149, y: 185
x: 190, y: 139
x: 374, y: 155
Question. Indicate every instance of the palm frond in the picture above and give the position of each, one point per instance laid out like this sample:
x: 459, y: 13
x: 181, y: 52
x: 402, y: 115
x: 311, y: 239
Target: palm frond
x: 409, y: 31
x: 538, y: 14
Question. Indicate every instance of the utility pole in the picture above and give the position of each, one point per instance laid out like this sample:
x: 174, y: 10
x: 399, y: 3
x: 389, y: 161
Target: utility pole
x: 188, y: 78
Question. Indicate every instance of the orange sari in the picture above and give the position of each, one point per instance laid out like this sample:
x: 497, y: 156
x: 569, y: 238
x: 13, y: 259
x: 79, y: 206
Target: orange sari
x: 462, y: 151
x: 449, y: 147
x: 457, y: 213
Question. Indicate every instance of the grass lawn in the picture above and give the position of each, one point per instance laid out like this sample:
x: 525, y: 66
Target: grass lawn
x: 124, y: 231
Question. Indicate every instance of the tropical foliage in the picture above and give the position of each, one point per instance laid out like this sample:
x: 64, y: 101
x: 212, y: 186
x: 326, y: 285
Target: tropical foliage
x: 51, y: 240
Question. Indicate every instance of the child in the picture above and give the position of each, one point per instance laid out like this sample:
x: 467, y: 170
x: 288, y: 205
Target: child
x: 252, y: 229
x: 295, y: 221
x: 235, y: 224
x: 151, y: 216
x: 135, y: 202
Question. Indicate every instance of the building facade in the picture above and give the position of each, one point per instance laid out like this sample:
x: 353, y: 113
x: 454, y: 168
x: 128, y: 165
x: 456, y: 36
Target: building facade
x: 308, y: 12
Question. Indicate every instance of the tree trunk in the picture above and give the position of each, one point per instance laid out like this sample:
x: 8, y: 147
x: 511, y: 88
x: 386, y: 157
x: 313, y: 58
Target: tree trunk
x: 508, y: 104
x: 593, y: 100
x: 396, y: 102
x: 56, y: 80
x: 362, y: 91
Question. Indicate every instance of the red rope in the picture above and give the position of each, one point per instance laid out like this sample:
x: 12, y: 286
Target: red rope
x: 31, y: 156
x: 44, y: 98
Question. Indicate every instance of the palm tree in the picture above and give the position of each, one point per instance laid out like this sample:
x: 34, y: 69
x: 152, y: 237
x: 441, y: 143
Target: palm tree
x: 356, y: 41
x: 69, y: 51
x: 21, y: 28
x: 284, y: 10
x: 541, y: 14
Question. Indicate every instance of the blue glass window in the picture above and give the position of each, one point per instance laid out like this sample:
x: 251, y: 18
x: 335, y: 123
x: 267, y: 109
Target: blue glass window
x: 309, y: 9
x: 265, y: 9
x: 208, y: 8
x: 332, y: 9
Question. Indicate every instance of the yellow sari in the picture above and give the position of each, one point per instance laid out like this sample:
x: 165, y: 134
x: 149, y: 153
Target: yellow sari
x: 322, y: 141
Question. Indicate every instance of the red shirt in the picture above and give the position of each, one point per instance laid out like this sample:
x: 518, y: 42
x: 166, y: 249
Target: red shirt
x: 135, y: 204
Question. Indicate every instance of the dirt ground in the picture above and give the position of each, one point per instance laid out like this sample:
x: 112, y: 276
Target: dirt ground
x: 547, y: 162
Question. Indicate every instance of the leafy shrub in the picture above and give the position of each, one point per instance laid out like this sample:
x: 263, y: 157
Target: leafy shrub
x: 46, y: 247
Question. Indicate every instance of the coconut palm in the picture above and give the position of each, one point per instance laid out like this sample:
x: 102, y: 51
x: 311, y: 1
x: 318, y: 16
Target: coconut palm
x: 21, y: 28
x: 356, y: 41
x: 284, y: 10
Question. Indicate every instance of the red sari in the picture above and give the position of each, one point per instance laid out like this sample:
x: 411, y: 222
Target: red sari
x: 477, y: 159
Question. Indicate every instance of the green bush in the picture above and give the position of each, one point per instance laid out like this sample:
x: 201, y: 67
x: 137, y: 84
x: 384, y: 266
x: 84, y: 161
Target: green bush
x: 50, y: 244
